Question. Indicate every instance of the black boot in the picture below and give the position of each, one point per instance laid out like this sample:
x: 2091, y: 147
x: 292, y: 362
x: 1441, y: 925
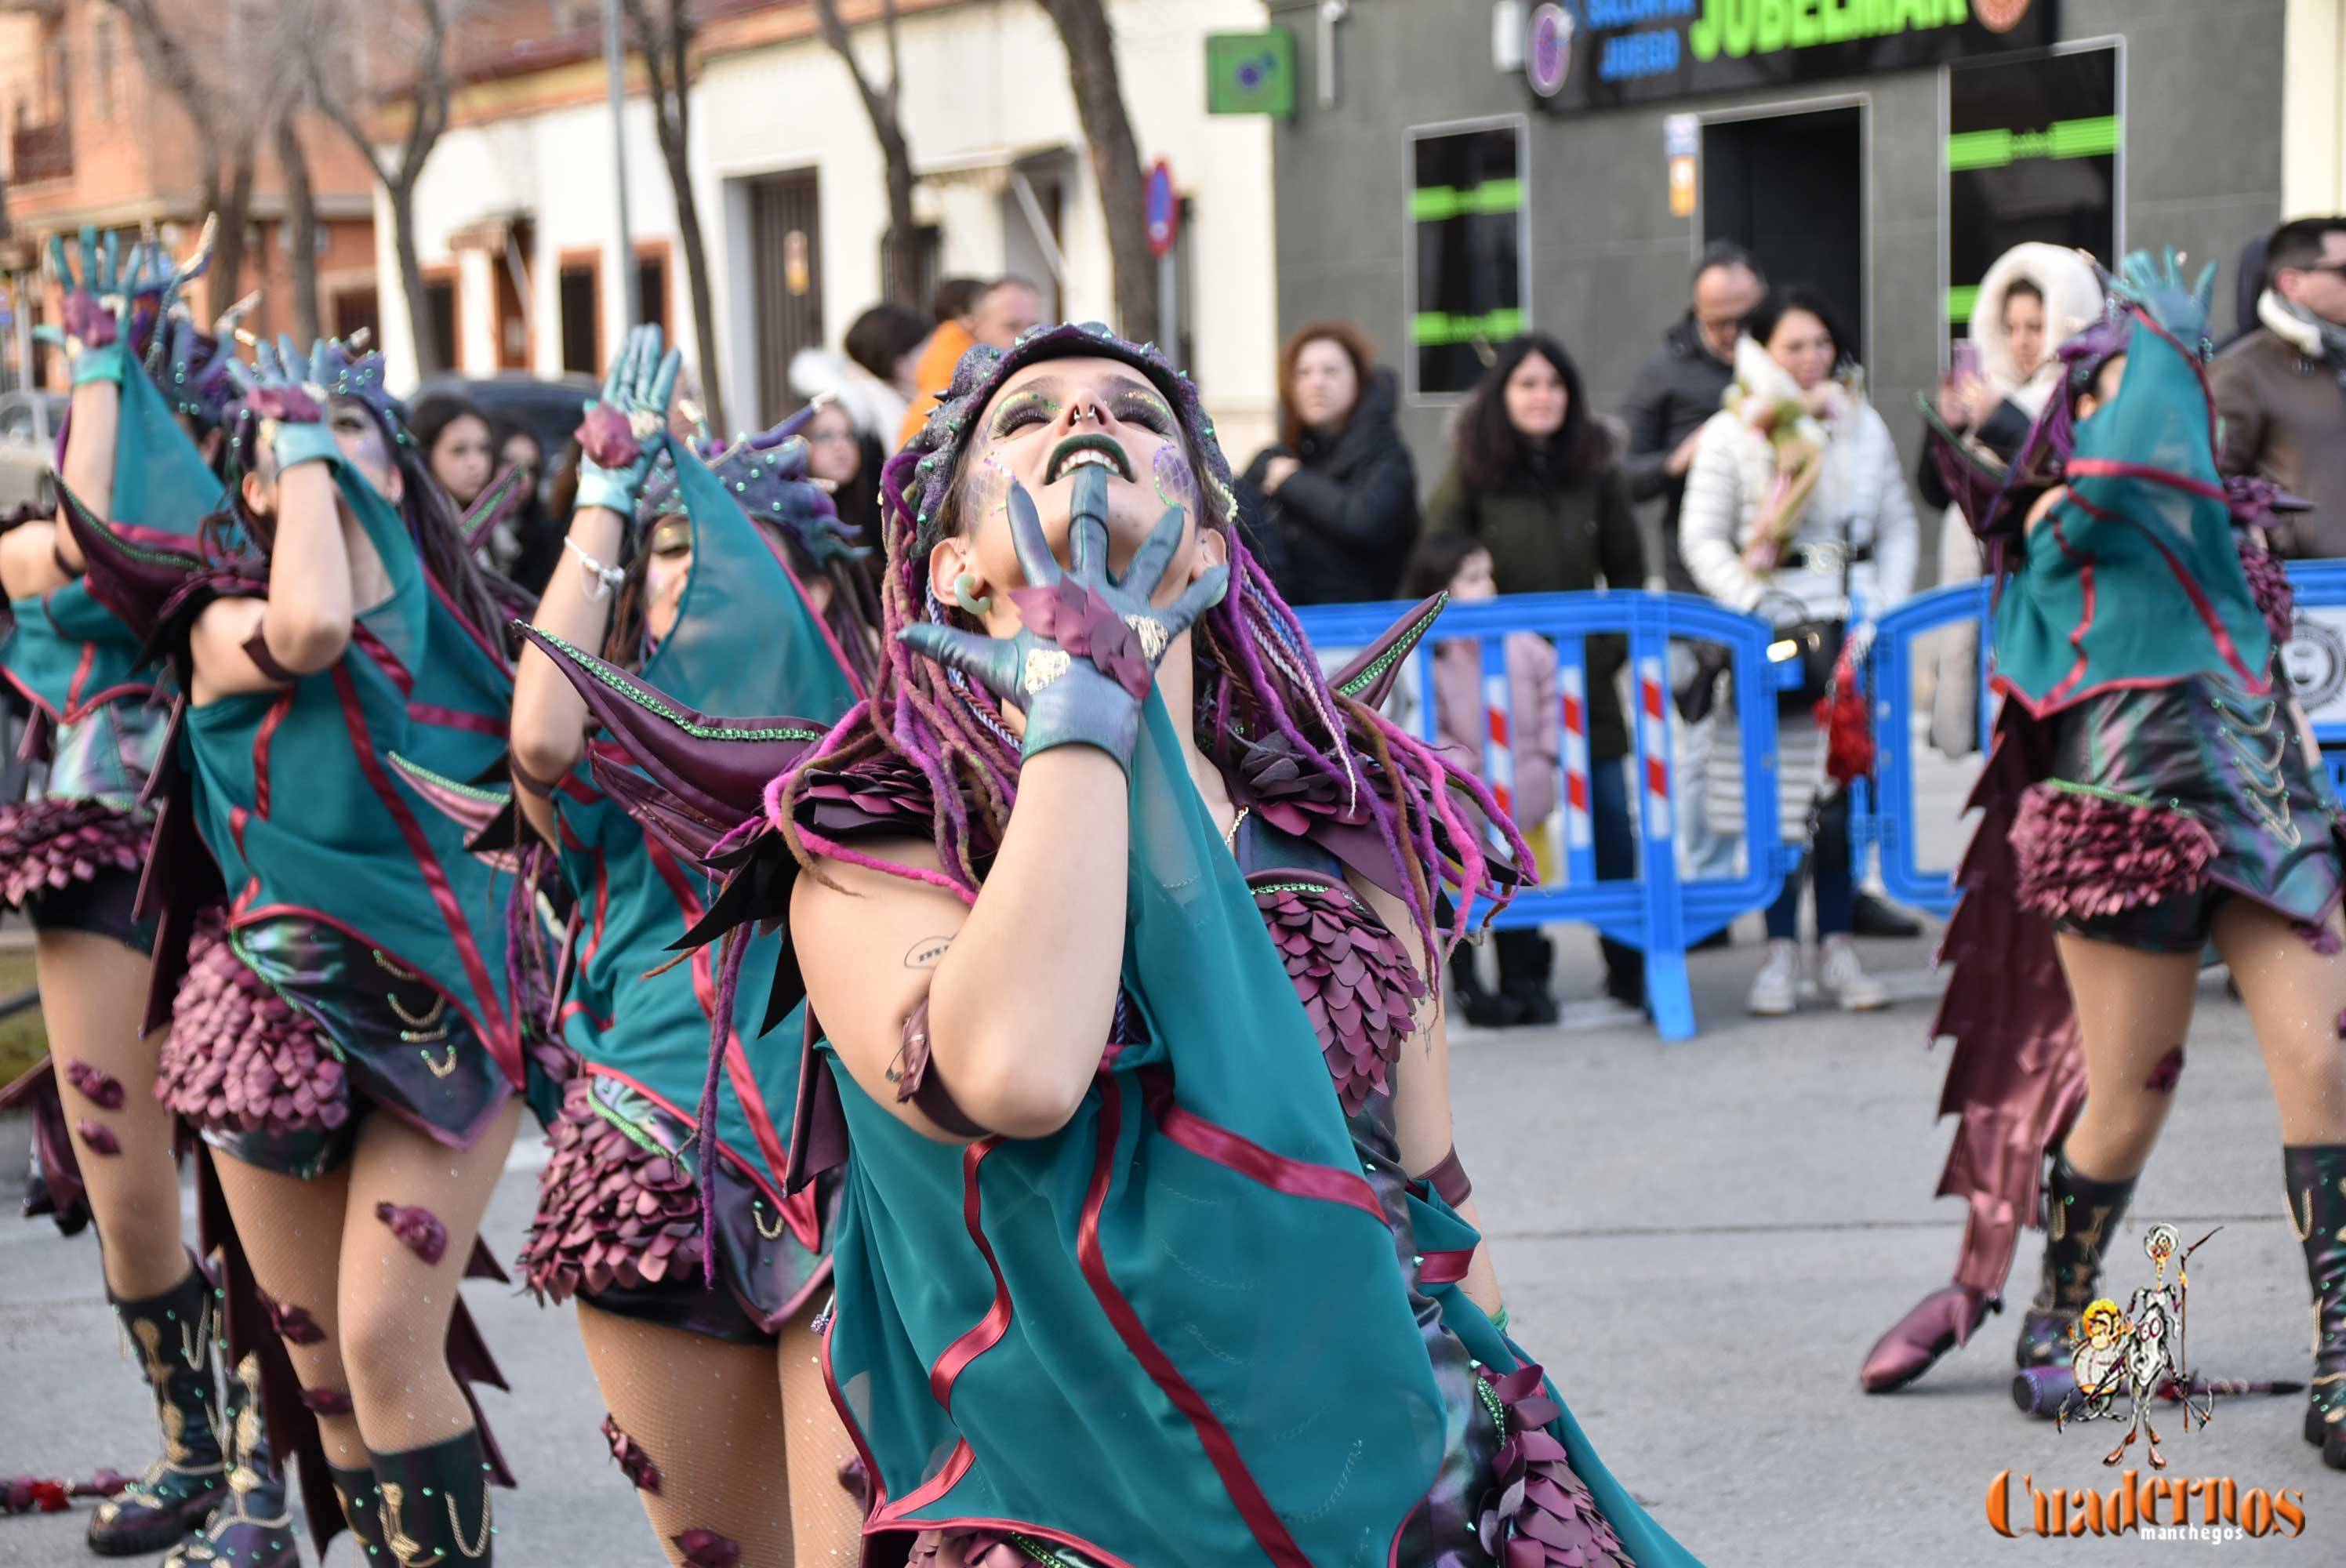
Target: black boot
x: 2317, y: 1208
x: 434, y: 1502
x: 362, y: 1511
x: 1477, y: 1005
x: 254, y: 1527
x: 171, y: 1335
x: 2081, y: 1217
x: 1527, y: 963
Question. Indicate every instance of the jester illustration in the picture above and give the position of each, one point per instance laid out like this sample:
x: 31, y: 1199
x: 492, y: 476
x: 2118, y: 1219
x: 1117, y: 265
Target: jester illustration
x: 2138, y: 1353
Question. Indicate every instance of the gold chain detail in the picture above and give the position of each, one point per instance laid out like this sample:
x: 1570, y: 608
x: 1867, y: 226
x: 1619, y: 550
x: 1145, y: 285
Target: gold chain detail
x: 391, y: 969
x: 758, y: 1214
x: 473, y: 1549
x: 441, y: 1069
x: 149, y: 1335
x: 427, y: 1019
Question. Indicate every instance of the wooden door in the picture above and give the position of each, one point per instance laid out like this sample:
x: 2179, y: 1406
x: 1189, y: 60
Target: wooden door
x: 786, y: 259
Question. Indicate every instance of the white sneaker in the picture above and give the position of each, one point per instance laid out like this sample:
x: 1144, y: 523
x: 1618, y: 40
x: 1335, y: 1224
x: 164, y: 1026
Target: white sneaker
x: 1776, y: 990
x: 1842, y: 978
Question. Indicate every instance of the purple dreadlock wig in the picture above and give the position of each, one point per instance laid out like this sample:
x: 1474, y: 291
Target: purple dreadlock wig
x: 1260, y: 688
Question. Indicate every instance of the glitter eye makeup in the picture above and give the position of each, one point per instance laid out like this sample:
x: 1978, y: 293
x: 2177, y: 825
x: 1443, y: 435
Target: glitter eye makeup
x: 1144, y: 409
x: 1022, y: 410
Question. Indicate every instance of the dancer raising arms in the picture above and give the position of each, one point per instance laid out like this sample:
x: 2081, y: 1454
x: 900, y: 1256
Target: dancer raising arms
x: 2153, y: 789
x: 330, y: 619
x: 718, y: 1412
x: 1152, y: 1248
x: 147, y: 388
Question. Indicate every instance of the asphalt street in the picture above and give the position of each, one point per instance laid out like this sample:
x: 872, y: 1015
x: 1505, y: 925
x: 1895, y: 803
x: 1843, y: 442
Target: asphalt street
x: 1699, y: 1240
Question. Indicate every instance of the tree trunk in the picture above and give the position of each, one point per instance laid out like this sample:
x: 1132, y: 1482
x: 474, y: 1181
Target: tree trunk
x: 423, y: 321
x: 1116, y: 158
x: 696, y: 273
x: 902, y: 283
x: 229, y: 192
x: 301, y: 222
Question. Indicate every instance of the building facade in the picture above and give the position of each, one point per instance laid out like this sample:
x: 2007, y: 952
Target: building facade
x: 517, y: 212
x: 90, y: 139
x: 1484, y: 166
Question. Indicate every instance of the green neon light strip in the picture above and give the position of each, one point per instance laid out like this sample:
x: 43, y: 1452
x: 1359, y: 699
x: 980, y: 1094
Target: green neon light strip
x: 1961, y: 300
x: 1439, y: 330
x: 2095, y: 138
x: 1435, y: 203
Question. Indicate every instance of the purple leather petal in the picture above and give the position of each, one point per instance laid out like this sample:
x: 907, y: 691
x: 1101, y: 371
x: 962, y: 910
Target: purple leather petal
x: 418, y: 1228
x: 239, y: 1056
x: 98, y: 1137
x: 2082, y: 855
x: 293, y: 1324
x: 607, y: 439
x: 634, y: 1462
x: 1538, y: 1513
x: 327, y: 1402
x: 609, y: 1211
x: 99, y: 1087
x: 706, y: 1549
x: 55, y: 842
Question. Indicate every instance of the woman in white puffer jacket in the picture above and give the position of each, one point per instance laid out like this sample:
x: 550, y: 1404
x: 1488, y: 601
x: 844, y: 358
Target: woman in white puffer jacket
x: 1796, y: 510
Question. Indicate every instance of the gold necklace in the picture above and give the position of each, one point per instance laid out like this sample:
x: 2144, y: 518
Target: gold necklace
x: 1230, y: 839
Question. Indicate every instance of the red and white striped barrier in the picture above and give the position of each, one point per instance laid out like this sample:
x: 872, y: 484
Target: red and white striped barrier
x: 1579, y: 833
x: 1654, y: 744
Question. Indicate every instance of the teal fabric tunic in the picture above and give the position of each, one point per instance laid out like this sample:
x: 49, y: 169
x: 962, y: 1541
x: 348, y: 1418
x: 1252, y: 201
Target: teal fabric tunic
x: 745, y: 641
x: 1177, y: 1330
x: 2133, y: 578
x: 296, y: 797
x: 73, y: 659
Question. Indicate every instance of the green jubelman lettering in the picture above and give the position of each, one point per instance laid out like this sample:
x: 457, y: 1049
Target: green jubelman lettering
x: 1737, y: 28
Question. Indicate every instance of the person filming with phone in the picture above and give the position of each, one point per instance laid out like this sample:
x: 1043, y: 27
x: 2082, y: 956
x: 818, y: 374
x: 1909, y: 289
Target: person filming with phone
x: 2000, y: 375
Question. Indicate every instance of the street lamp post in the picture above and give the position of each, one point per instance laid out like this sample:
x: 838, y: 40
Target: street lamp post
x: 615, y: 64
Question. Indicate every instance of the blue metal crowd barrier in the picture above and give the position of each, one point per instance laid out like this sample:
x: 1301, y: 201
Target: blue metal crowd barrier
x: 1884, y: 815
x: 1656, y: 913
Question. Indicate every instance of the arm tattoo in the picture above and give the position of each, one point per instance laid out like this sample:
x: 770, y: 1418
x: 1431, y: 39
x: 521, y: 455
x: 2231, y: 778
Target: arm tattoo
x: 927, y: 952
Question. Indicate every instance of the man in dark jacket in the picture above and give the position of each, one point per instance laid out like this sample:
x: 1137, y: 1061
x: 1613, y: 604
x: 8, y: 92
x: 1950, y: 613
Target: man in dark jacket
x: 1681, y: 386
x: 1342, y: 506
x: 2282, y: 389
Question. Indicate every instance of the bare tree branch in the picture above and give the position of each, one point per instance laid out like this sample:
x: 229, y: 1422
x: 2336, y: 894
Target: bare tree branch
x: 902, y: 282
x: 226, y: 142
x: 428, y: 91
x: 1116, y: 157
x: 665, y: 45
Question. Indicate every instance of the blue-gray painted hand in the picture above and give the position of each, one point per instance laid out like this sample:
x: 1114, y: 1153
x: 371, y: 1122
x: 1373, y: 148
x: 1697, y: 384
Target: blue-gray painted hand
x: 1081, y: 664
x: 626, y: 429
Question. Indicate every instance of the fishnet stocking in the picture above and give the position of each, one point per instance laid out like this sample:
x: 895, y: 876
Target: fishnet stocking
x: 316, y: 1245
x: 709, y: 1416
x: 292, y: 1233
x: 827, y: 1525
x: 92, y: 992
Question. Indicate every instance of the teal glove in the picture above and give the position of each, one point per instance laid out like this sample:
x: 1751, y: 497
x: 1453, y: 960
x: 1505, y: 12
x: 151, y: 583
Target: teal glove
x: 625, y: 429
x: 276, y: 386
x: 96, y: 315
x: 2159, y: 288
x: 1082, y: 663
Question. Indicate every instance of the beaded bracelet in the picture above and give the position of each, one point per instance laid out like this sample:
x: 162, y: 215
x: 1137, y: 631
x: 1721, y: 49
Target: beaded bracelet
x: 594, y: 579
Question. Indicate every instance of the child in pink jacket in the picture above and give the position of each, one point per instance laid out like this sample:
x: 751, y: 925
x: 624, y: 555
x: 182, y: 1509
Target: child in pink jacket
x: 1456, y: 562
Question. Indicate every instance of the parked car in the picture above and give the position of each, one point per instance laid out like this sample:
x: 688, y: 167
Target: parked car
x: 549, y: 408
x: 28, y: 441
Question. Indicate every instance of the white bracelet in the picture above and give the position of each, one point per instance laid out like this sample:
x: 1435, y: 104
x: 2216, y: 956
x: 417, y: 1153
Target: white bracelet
x: 594, y: 579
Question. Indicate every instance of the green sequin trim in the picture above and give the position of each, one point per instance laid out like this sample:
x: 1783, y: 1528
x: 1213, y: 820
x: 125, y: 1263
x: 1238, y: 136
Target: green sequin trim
x: 1491, y: 1405
x: 636, y: 1134
x: 122, y: 547
x: 1306, y: 888
x: 1392, y: 655
x: 441, y: 781
x: 1039, y: 1552
x: 651, y: 704
x: 2121, y: 798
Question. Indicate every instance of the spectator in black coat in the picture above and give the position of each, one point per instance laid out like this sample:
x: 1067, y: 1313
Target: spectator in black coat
x: 1337, y: 495
x: 1680, y: 387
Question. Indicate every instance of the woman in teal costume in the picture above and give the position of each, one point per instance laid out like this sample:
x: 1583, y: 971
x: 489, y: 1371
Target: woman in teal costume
x: 2154, y: 789
x: 327, y: 621
x: 1153, y: 1249
x: 147, y: 388
x: 718, y: 1412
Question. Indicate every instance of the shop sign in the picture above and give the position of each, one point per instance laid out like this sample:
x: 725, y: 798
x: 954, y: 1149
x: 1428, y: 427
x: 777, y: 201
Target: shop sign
x: 1601, y: 54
